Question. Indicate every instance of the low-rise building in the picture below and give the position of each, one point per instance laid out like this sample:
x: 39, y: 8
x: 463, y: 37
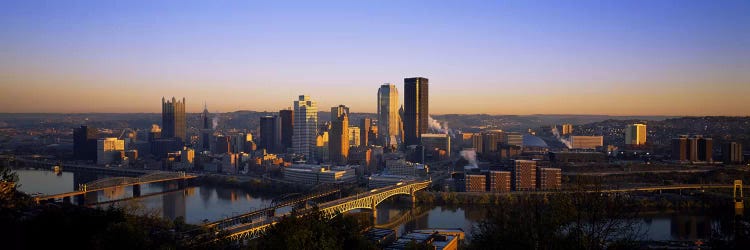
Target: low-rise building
x: 586, y: 142
x: 499, y: 181
x: 381, y: 180
x: 524, y: 175
x: 438, y: 239
x: 109, y: 150
x: 549, y: 179
x: 315, y: 174
x: 475, y: 182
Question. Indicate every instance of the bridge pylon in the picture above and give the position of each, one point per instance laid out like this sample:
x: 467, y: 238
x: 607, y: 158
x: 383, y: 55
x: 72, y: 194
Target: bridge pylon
x: 739, y: 199
x: 374, y: 209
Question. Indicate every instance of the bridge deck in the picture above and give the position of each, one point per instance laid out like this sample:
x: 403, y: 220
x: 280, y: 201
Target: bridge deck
x: 74, y: 193
x: 254, y: 229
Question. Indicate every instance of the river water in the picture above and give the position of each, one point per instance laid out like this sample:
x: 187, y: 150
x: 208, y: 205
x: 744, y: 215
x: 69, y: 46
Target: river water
x: 205, y: 203
x: 195, y: 204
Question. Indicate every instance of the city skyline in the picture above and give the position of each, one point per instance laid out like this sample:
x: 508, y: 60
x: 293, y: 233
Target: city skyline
x: 619, y: 58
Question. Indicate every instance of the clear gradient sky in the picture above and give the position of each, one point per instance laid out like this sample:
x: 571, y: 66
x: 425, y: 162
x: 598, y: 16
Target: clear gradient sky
x: 498, y: 57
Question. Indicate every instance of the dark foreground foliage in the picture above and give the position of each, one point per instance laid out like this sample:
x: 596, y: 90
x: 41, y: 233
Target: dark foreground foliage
x: 26, y: 225
x: 315, y: 230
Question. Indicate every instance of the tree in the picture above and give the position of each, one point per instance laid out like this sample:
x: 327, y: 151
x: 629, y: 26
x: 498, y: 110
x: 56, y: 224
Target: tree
x: 10, y: 197
x: 314, y: 230
x: 580, y: 219
x: 413, y: 245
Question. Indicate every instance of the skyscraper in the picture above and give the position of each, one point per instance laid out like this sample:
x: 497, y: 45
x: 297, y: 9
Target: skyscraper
x: 354, y: 136
x: 206, y: 129
x: 635, y: 134
x: 84, y: 143
x: 338, y: 144
x: 388, y: 117
x: 270, y: 133
x: 416, y: 109
x: 287, y: 128
x: 364, y: 128
x: 173, y: 119
x: 305, y: 127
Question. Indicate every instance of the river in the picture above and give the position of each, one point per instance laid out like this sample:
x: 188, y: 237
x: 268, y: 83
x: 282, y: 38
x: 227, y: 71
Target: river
x: 662, y: 226
x: 195, y: 204
x: 207, y: 203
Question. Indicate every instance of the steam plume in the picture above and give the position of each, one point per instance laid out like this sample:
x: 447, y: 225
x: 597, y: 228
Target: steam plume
x: 439, y: 128
x: 560, y: 138
x: 471, y: 156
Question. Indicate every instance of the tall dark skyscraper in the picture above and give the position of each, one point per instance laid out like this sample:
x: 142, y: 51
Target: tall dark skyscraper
x: 84, y: 143
x: 364, y: 128
x: 173, y: 119
x: 416, y: 109
x: 270, y: 133
x: 206, y: 130
x: 287, y: 128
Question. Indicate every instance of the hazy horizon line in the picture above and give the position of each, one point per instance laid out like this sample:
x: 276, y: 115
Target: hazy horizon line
x: 438, y: 114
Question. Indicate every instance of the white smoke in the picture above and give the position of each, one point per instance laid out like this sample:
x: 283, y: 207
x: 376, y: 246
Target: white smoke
x: 215, y: 122
x: 471, y: 156
x: 439, y: 128
x: 560, y: 138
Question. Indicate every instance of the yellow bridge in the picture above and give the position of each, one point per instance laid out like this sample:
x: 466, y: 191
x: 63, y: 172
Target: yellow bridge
x: 368, y: 200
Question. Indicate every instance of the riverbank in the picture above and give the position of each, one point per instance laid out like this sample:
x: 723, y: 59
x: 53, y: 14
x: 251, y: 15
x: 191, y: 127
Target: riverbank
x: 250, y: 185
x: 647, y: 202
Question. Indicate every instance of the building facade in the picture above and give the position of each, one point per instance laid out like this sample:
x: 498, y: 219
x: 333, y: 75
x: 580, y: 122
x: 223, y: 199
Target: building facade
x: 490, y: 140
x: 549, y: 179
x: 731, y: 153
x: 635, y: 134
x: 305, y: 127
x: 567, y: 129
x: 436, y: 146
x: 316, y: 174
x: 416, y: 109
x: 364, y: 129
x: 84, y: 143
x: 287, y: 128
x: 206, y: 130
x: 173, y: 120
x: 680, y: 148
x: 586, y: 142
x: 338, y: 137
x: 524, y: 175
x: 354, y: 136
x: 388, y: 117
x: 695, y: 148
x: 109, y: 150
x: 475, y: 182
x: 499, y: 181
x: 270, y: 134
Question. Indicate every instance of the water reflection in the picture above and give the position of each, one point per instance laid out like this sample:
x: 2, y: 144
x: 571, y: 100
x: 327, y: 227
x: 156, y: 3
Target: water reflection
x: 195, y: 204
x: 678, y: 226
x: 661, y: 226
x: 174, y: 204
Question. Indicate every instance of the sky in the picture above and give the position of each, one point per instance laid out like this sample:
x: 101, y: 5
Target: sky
x: 495, y: 57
